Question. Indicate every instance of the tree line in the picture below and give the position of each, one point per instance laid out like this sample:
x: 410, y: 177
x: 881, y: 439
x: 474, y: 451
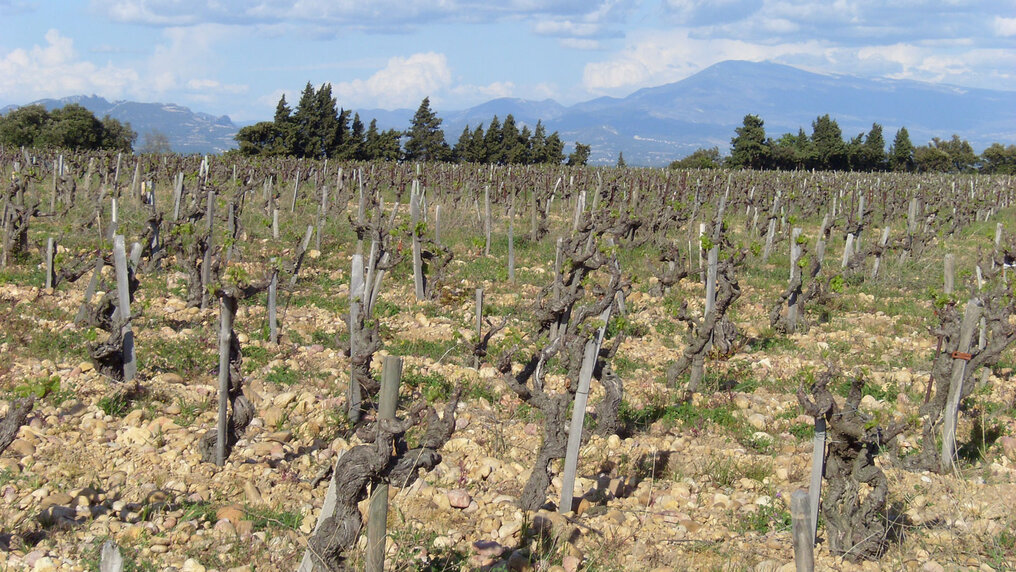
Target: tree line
x: 825, y: 149
x: 69, y: 127
x: 317, y: 128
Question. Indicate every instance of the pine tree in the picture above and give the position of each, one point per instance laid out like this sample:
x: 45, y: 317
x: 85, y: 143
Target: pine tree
x: 580, y: 156
x: 426, y: 141
x: 827, y: 142
x: 748, y: 148
x: 901, y: 154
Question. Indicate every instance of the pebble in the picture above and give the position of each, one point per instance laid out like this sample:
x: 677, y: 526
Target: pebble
x: 459, y: 498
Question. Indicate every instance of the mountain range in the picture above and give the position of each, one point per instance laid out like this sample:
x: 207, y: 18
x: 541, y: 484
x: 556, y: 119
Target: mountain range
x: 656, y: 125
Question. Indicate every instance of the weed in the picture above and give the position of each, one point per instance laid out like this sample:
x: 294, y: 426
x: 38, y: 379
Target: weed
x: 433, y: 386
x: 283, y: 375
x: 117, y: 404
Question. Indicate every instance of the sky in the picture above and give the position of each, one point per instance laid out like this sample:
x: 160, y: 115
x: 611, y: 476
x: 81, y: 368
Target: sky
x: 228, y: 57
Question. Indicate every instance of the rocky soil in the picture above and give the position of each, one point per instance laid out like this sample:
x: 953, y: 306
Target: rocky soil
x: 692, y: 490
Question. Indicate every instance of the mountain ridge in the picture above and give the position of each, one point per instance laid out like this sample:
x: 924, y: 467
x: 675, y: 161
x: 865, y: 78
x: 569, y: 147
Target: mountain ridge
x: 655, y: 125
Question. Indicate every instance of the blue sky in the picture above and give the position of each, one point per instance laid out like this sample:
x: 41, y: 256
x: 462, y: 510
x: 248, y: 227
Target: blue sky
x: 235, y: 58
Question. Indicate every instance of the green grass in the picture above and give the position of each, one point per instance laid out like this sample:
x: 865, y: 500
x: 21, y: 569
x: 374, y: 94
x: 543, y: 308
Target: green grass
x: 283, y: 375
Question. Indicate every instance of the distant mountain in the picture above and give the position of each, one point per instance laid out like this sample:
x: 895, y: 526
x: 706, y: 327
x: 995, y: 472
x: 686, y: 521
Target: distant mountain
x: 655, y: 125
x: 187, y: 131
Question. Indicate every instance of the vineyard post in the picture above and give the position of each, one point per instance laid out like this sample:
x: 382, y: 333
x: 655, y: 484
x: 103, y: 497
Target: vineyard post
x: 93, y: 284
x: 479, y: 324
x: 511, y: 239
x: 437, y: 224
x: 533, y: 216
x: 356, y: 301
x: 848, y: 247
x: 804, y: 549
x: 571, y: 458
x: 982, y: 331
x: 130, y: 366
x: 275, y: 221
x: 580, y: 205
x: 769, y: 239
x: 300, y: 254
x: 949, y: 271
x: 414, y: 222
x: 231, y: 229
x: 377, y: 513
x: 998, y: 240
x: 486, y: 220
x: 971, y: 315
x: 296, y: 189
x: 795, y: 272
x: 273, y: 296
x: 114, y: 221
x: 206, y: 263
x: 227, y: 312
x: 322, y: 217
x: 882, y: 242
x: 817, y: 469
x: 177, y: 195
x: 89, y: 173
x: 50, y: 270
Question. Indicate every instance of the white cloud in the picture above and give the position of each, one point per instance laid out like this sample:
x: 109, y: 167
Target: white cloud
x: 54, y: 70
x: 489, y: 91
x: 663, y: 57
x: 403, y: 82
x: 1004, y: 26
x: 378, y: 15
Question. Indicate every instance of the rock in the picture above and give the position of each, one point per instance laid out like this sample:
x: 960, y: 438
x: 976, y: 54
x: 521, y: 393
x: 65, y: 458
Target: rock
x: 252, y: 493
x: 767, y: 566
x: 519, y: 562
x: 225, y: 527
x: 932, y: 566
x: 459, y: 498
x: 44, y: 564
x: 1008, y: 447
x: 273, y: 416
x: 233, y: 513
x: 191, y: 565
x: 570, y: 563
x: 757, y: 420
x: 22, y: 447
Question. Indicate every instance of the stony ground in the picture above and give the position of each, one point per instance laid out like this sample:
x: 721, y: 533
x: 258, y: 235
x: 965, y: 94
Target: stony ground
x: 704, y: 487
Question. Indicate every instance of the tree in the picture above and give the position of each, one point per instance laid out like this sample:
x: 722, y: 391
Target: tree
x: 962, y: 158
x: 71, y: 127
x: 156, y: 143
x: 901, y: 153
x: 426, y: 141
x: 999, y: 159
x: 791, y: 152
x: 830, y: 152
x: 493, y: 142
x: 263, y: 138
x: 382, y: 146
x: 748, y: 148
x: 553, y: 150
x: 620, y: 160
x: 580, y: 155
x: 873, y: 153
x: 931, y: 159
x: 700, y: 159
x: 21, y: 127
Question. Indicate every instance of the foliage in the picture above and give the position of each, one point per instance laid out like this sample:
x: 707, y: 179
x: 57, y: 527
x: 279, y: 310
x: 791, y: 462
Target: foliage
x: 748, y: 148
x: 69, y: 127
x: 700, y: 159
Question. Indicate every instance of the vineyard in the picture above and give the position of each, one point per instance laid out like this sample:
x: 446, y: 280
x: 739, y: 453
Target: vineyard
x: 230, y: 363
